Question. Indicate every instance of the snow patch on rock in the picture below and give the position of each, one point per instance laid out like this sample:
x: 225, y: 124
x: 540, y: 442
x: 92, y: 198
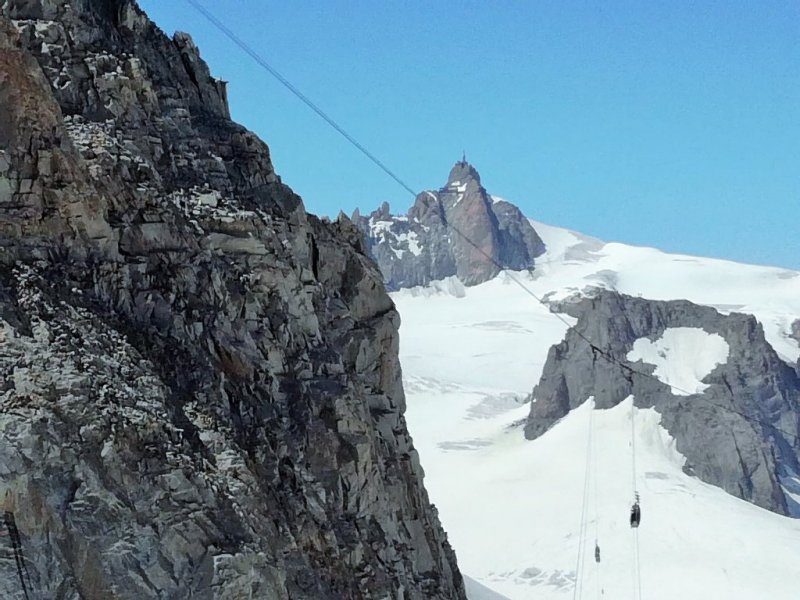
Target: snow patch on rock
x: 683, y: 357
x: 412, y: 240
x: 449, y: 286
x: 378, y: 227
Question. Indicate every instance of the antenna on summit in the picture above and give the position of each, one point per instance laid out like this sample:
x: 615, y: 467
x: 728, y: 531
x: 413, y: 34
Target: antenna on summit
x: 463, y: 156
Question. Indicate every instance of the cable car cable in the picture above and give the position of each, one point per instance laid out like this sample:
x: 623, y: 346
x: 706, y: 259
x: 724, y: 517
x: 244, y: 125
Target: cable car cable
x: 355, y: 143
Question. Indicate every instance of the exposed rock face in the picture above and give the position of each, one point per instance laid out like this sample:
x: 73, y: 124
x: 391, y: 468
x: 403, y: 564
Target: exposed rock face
x: 200, y: 394
x: 722, y: 447
x: 419, y: 247
x: 795, y: 332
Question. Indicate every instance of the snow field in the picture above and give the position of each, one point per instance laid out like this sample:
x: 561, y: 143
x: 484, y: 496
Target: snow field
x: 683, y: 356
x: 512, y: 507
x: 574, y: 261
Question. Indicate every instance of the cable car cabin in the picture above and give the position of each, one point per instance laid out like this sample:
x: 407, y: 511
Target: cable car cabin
x: 636, y: 514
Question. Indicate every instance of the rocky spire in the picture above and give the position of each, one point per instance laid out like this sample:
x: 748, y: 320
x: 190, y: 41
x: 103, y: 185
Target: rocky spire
x: 420, y: 247
x: 463, y: 172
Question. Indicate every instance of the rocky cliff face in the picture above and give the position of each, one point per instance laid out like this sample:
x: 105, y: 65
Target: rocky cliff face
x: 200, y: 394
x: 750, y: 460
x: 419, y: 247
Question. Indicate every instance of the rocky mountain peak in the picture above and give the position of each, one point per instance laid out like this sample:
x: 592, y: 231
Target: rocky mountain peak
x: 428, y: 243
x: 462, y: 173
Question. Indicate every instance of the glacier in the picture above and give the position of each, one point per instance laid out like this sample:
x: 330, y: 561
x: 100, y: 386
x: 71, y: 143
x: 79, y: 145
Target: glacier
x: 512, y: 507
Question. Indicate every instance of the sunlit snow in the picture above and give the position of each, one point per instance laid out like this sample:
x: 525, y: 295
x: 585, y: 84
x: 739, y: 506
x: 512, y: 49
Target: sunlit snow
x: 412, y: 240
x: 512, y: 507
x: 683, y: 356
x: 381, y: 227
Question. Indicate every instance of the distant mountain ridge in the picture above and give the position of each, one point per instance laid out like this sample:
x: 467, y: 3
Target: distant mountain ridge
x: 420, y: 247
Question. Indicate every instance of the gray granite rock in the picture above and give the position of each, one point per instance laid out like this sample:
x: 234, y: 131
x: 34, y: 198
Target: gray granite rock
x: 795, y: 331
x: 200, y: 394
x: 427, y: 244
x: 732, y: 434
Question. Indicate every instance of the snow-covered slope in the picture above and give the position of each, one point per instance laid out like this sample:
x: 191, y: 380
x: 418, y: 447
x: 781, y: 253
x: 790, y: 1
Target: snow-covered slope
x: 573, y: 262
x: 512, y: 507
x: 478, y: 591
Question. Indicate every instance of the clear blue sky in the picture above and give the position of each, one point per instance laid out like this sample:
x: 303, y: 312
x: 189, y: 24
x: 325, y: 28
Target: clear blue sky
x: 672, y: 123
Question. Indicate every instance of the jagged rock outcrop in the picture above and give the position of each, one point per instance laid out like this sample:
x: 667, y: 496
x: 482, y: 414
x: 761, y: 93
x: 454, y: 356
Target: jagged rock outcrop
x: 717, y: 430
x: 795, y: 335
x: 420, y: 247
x: 795, y: 331
x: 200, y: 394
